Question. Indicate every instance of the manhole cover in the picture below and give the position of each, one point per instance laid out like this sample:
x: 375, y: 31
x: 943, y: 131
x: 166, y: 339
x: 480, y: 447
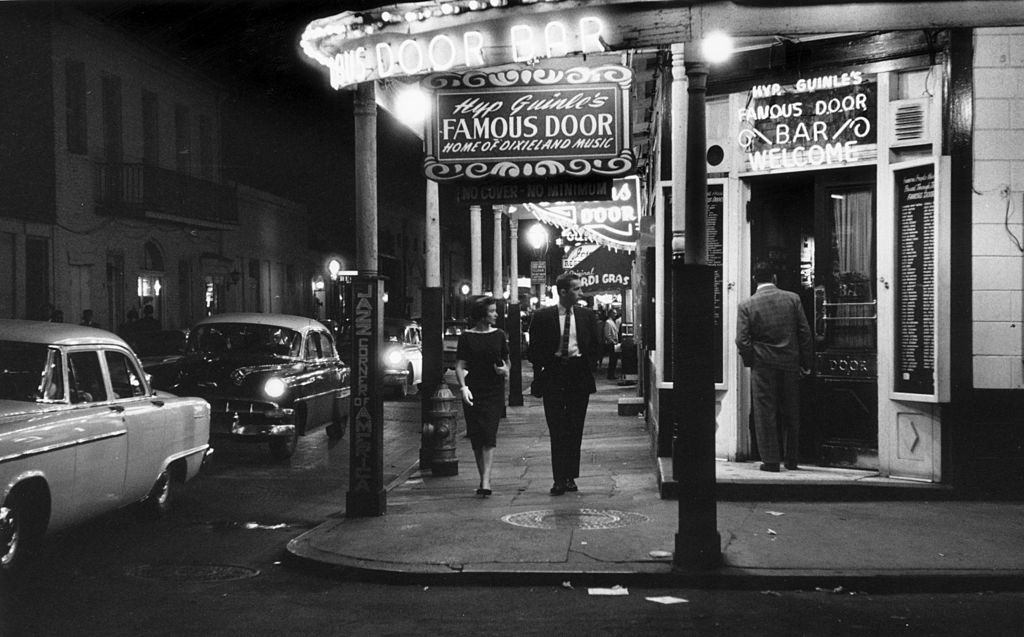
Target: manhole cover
x: 191, y: 572
x: 574, y: 519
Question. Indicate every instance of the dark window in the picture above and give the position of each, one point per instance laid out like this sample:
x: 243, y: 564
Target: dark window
x: 112, y: 142
x: 37, y: 277
x: 74, y: 90
x: 205, y: 148
x: 150, y: 129
x: 125, y: 379
x: 85, y: 378
x: 182, y: 140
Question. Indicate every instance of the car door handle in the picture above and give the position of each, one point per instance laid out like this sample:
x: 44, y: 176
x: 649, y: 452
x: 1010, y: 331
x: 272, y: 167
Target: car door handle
x: 117, y: 408
x: 158, y: 403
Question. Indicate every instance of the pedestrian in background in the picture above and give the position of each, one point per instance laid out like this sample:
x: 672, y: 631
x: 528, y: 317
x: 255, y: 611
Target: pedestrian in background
x: 565, y: 345
x: 148, y: 322
x: 87, y: 319
x: 481, y: 366
x: 611, y: 342
x: 774, y: 341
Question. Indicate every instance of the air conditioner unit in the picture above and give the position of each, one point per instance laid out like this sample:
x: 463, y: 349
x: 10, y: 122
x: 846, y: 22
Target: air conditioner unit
x: 911, y: 122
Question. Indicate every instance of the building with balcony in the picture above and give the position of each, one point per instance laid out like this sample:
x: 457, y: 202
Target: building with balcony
x: 113, y: 195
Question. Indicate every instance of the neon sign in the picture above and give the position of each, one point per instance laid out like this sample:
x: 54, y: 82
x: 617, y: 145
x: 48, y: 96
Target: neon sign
x: 380, y: 55
x: 819, y: 122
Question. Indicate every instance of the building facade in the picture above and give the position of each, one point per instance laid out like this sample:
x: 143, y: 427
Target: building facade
x: 114, y: 197
x: 880, y: 174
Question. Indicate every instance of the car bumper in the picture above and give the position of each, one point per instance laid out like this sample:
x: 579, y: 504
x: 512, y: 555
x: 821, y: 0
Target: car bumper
x: 247, y: 420
x: 395, y: 377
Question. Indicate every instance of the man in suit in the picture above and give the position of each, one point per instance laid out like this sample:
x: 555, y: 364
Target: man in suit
x: 565, y: 345
x: 774, y: 340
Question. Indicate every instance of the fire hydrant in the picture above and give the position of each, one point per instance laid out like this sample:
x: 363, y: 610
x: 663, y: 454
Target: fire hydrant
x: 439, y: 433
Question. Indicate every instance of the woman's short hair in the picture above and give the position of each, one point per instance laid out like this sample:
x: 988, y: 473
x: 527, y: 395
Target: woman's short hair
x: 478, y: 309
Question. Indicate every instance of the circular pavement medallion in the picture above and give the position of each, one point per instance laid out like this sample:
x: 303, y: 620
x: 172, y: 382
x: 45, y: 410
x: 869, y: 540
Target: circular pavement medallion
x: 591, y: 519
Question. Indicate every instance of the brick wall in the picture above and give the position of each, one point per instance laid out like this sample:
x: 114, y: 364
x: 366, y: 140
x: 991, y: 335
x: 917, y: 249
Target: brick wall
x: 998, y: 209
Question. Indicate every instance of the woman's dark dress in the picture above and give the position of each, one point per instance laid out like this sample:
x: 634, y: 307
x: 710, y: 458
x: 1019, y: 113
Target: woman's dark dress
x: 482, y: 351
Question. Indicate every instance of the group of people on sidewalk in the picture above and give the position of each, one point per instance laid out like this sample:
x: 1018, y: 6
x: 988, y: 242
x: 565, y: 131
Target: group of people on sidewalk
x: 568, y: 340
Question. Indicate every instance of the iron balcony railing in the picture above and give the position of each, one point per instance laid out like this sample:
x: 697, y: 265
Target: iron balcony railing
x: 140, y: 190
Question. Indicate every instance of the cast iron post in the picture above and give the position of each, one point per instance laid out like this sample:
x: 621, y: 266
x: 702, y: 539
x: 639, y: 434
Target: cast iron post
x: 698, y: 545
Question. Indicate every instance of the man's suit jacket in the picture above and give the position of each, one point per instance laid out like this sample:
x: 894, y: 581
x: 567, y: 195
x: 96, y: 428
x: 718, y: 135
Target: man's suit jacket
x: 546, y: 338
x: 772, y: 331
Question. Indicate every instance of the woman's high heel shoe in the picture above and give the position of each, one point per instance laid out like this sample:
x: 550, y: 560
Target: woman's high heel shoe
x: 483, y: 492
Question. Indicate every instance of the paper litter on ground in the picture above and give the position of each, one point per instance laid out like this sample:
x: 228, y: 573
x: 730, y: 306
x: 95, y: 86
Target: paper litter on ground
x: 667, y: 599
x: 614, y: 590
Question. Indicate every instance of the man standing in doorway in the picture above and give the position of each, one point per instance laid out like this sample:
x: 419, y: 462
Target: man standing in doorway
x: 774, y: 340
x: 565, y: 345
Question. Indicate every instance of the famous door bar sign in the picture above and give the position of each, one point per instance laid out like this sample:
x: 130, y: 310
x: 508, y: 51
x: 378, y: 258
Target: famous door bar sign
x: 531, y: 122
x: 819, y: 122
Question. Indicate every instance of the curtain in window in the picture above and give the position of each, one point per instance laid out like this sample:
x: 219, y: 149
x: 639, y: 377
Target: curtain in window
x: 853, y: 269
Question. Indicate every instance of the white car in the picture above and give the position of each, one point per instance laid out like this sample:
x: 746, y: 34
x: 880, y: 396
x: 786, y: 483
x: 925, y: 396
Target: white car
x: 402, y: 354
x: 82, y: 433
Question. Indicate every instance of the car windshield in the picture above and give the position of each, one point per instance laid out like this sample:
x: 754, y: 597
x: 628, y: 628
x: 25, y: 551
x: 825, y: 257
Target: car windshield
x: 245, y: 338
x: 30, y: 372
x: 394, y: 332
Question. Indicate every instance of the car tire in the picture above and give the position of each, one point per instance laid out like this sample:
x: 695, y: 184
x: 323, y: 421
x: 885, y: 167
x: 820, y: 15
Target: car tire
x: 161, y: 497
x: 21, y: 533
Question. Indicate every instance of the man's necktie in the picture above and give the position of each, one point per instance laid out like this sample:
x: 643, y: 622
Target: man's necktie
x: 564, y: 350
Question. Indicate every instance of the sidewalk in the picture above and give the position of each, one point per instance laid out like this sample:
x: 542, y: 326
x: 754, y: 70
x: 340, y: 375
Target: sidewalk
x: 618, y: 530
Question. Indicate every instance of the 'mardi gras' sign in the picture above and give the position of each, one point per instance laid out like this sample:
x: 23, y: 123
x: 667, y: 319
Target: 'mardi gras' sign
x: 820, y: 122
x: 530, y: 123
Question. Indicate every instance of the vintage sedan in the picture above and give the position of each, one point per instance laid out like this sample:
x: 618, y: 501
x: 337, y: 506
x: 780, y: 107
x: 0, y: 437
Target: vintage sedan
x: 82, y: 433
x: 402, y: 354
x: 268, y: 378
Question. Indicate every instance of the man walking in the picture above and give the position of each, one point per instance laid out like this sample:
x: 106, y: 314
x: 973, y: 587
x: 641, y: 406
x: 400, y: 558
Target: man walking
x: 774, y: 340
x: 565, y: 345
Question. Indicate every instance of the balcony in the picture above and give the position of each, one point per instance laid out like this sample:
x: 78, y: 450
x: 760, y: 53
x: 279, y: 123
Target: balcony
x: 149, y: 192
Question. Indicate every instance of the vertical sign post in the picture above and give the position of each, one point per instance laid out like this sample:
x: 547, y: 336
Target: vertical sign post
x: 366, y: 496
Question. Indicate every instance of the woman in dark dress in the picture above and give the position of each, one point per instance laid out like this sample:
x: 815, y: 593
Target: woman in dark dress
x: 481, y: 367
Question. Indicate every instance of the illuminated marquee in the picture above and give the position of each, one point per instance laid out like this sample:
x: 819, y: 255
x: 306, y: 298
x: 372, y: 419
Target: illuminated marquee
x: 820, y: 122
x: 375, y: 55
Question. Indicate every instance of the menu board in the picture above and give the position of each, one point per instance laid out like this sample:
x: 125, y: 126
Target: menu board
x: 915, y: 280
x: 713, y: 232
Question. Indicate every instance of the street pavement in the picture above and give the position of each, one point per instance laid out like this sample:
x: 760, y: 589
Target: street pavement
x: 816, y: 527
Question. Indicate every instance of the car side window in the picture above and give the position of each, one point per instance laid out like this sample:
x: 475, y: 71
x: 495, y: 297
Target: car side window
x: 125, y: 379
x: 52, y: 387
x: 85, y: 378
x: 313, y: 350
x: 327, y: 345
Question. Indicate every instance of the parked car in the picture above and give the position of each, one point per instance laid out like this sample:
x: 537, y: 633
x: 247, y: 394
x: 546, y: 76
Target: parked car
x: 82, y: 433
x: 268, y: 378
x: 402, y: 355
x: 452, y: 330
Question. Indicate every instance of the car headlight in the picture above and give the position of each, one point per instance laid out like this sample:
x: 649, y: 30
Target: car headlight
x: 274, y: 387
x: 394, y: 357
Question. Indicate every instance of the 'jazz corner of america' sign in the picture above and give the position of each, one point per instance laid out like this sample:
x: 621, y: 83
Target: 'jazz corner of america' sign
x: 530, y: 122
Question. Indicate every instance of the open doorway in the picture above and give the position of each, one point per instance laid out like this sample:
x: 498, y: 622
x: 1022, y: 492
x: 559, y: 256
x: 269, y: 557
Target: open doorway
x: 817, y: 230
